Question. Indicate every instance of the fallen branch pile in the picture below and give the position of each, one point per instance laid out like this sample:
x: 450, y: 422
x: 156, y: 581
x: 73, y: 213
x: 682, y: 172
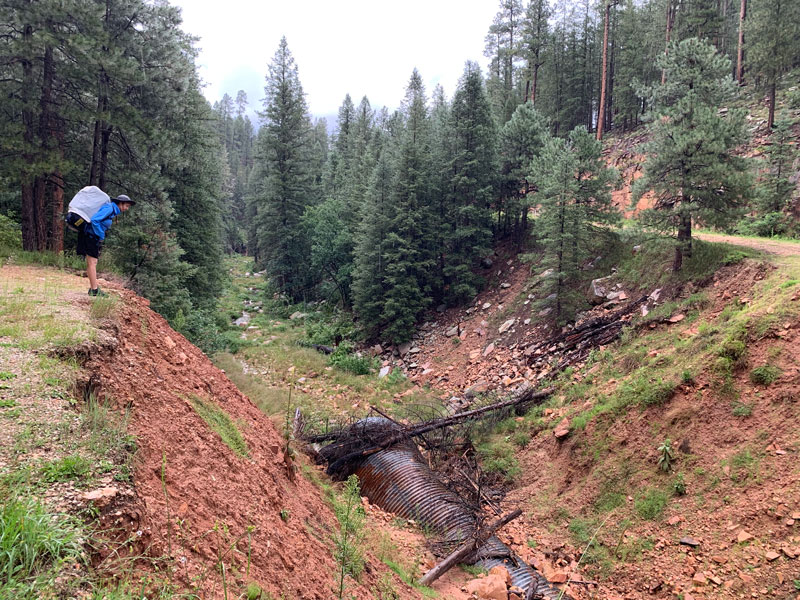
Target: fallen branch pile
x: 575, y: 345
x: 372, y: 434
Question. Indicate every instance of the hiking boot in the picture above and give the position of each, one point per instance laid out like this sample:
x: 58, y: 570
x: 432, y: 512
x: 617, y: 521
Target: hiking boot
x: 97, y: 292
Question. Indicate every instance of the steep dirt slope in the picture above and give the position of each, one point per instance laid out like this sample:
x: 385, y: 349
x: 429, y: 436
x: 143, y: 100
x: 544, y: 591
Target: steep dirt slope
x: 200, y: 505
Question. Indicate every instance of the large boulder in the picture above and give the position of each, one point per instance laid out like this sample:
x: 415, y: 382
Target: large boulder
x: 599, y: 289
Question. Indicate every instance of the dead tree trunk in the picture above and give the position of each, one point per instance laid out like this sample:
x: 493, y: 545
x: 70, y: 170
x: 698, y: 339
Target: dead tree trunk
x: 671, y: 10
x: 467, y: 548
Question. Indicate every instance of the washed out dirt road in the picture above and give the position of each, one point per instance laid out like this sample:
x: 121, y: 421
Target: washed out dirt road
x: 778, y: 247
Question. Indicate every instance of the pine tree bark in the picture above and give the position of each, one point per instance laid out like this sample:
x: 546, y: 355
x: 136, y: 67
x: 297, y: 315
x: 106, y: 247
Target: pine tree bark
x: 671, y: 9
x: 601, y: 112
x: 740, y: 49
x: 684, y: 246
x: 771, y: 117
x: 29, y: 229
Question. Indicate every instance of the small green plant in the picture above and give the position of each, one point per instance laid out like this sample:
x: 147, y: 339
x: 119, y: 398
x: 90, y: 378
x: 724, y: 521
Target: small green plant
x: 64, y: 469
x: 742, y: 409
x: 473, y: 570
x: 219, y: 422
x: 253, y: 591
x: 6, y: 376
x: 285, y: 514
x: 650, y: 504
x: 665, y: 455
x: 687, y: 378
x: 498, y: 457
x: 455, y: 340
x: 764, y: 375
x: 679, y: 485
x: 103, y: 307
x: 348, y: 550
x: 796, y: 583
x: 7, y: 403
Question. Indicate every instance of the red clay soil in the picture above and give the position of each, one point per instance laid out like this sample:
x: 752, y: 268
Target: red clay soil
x: 209, y: 496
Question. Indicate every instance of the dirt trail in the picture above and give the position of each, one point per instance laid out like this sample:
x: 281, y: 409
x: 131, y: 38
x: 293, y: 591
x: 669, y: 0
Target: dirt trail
x: 777, y: 247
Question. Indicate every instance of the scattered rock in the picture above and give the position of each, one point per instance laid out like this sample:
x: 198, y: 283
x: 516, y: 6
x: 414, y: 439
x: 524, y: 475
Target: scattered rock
x: 453, y: 331
x: 699, y: 579
x: 487, y: 263
x: 743, y: 537
x: 599, y: 289
x: 558, y: 577
x: 384, y: 371
x: 501, y: 572
x: 100, y: 497
x: 562, y: 429
x: 441, y: 308
x: 169, y: 342
x: 489, y: 349
x: 505, y: 285
x: 297, y: 315
x: 507, y: 325
x: 243, y: 320
x: 486, y: 305
x: 491, y: 587
x: 481, y: 387
x: 688, y: 541
x: 546, y: 273
x: 677, y: 318
x: 772, y: 555
x: 376, y: 350
x: 404, y: 348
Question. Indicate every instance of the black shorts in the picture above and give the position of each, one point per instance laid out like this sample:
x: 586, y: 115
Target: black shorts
x: 88, y: 244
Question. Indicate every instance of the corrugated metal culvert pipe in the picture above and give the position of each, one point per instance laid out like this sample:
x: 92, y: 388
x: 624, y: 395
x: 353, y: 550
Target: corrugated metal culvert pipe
x: 398, y: 481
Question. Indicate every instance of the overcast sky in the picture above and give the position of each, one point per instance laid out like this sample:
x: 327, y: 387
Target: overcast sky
x: 360, y: 47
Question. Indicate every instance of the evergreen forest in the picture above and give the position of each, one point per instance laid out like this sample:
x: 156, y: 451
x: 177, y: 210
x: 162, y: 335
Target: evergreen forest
x: 391, y: 212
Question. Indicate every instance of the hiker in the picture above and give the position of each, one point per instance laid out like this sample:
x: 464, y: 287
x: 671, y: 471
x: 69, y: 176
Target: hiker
x: 91, y: 212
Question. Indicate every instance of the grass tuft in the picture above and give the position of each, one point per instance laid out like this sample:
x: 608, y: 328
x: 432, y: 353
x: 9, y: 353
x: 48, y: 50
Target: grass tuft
x: 764, y: 375
x: 219, y: 422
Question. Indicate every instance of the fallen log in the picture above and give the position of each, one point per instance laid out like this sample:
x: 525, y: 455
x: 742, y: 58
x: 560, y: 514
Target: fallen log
x: 464, y: 550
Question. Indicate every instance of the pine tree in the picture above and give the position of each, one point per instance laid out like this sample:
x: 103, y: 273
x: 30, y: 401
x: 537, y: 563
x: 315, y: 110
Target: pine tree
x: 574, y: 196
x: 690, y: 163
x: 370, y: 267
x: 408, y: 251
x: 284, y: 181
x: 773, y: 28
x: 472, y: 186
x: 520, y: 140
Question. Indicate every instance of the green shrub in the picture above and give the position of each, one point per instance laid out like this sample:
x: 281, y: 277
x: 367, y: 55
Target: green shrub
x: 343, y: 358
x: 650, y: 504
x: 764, y: 375
x: 679, y: 485
x: 742, y: 409
x: 10, y: 234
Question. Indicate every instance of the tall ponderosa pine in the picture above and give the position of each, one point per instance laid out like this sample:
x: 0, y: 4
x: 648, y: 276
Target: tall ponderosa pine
x: 574, y: 197
x: 283, y: 183
x: 690, y: 165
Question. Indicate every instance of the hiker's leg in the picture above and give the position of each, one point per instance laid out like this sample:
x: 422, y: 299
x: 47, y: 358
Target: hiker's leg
x: 91, y: 271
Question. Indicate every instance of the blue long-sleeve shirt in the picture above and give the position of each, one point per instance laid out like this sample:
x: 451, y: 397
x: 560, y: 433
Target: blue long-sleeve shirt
x: 101, y: 221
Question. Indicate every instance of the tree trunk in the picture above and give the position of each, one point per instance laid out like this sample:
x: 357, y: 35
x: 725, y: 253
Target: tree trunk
x: 533, y: 83
x: 684, y: 246
x: 40, y: 183
x: 601, y: 111
x: 771, y: 118
x: 55, y: 241
x: 29, y: 230
x: 671, y: 8
x: 740, y: 50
